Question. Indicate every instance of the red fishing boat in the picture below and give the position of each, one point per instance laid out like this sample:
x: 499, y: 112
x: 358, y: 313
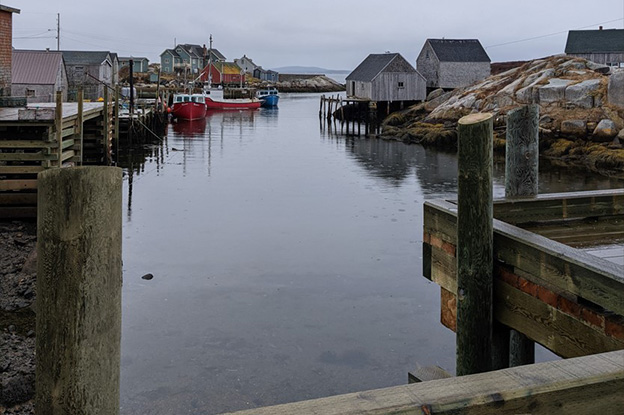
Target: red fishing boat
x: 189, y: 106
x: 215, y: 100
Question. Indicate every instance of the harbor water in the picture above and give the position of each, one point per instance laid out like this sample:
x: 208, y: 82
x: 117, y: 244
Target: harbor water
x: 286, y: 261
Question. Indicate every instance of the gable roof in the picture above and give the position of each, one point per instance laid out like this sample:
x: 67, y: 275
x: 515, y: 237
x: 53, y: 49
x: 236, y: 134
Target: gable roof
x: 35, y: 67
x: 229, y: 68
x: 79, y: 57
x: 595, y: 41
x: 134, y: 58
x: 458, y: 50
x: 171, y: 52
x: 374, y: 64
x: 194, y: 50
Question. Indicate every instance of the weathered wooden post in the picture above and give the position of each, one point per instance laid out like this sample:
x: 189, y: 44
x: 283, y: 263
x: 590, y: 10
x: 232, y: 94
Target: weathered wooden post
x: 79, y: 281
x: 521, y: 180
x: 474, y: 244
x: 58, y: 127
x: 80, y: 126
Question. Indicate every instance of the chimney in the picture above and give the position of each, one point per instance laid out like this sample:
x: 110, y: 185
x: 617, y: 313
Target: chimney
x: 6, y: 49
x: 599, y: 27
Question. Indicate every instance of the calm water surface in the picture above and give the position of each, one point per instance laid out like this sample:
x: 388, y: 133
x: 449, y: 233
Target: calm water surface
x: 286, y: 262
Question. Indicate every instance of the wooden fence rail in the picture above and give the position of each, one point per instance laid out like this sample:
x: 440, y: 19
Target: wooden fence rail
x: 583, y: 386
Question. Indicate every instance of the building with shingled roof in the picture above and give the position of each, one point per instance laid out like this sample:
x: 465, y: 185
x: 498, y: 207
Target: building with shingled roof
x: 386, y: 77
x: 453, y: 63
x: 90, y: 70
x: 37, y: 75
x: 188, y: 57
x: 600, y: 46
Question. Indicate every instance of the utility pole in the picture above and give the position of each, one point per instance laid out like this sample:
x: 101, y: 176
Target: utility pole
x: 58, y: 31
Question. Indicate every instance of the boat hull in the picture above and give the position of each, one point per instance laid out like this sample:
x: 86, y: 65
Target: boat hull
x: 188, y: 110
x: 233, y: 104
x: 270, y: 101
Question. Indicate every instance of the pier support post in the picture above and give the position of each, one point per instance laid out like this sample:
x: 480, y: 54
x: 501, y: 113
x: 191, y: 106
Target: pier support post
x: 474, y: 244
x: 80, y: 124
x: 521, y: 180
x: 79, y: 281
x: 58, y: 127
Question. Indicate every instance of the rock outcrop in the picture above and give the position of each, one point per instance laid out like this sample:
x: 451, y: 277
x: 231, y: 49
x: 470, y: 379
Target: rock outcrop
x: 308, y: 83
x: 581, y: 103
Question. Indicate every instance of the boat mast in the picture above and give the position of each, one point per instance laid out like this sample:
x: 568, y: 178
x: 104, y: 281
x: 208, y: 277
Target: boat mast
x: 210, y: 63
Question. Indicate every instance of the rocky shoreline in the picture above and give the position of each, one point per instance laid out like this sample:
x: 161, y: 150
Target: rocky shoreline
x: 581, y: 111
x: 18, y: 267
x: 305, y: 84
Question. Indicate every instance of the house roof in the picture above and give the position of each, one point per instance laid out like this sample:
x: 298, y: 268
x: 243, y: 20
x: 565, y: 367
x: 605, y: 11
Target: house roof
x: 195, y: 50
x: 373, y: 65
x: 78, y: 57
x: 135, y: 58
x: 172, y: 52
x: 8, y: 9
x: 228, y: 68
x: 595, y: 41
x: 459, y: 50
x: 35, y: 67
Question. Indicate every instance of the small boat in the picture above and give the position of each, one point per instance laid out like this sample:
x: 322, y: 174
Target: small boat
x: 216, y: 100
x: 189, y: 106
x: 269, y: 96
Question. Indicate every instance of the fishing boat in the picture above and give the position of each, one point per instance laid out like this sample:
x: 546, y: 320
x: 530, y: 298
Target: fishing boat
x: 268, y: 96
x: 215, y: 100
x: 189, y: 106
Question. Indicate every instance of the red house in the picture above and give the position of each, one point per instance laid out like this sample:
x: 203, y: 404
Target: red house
x: 226, y: 73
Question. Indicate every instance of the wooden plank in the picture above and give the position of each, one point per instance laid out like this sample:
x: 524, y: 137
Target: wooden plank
x: 23, y: 144
x: 557, y: 206
x: 18, y: 184
x: 68, y: 143
x: 38, y: 156
x: 561, y: 333
x: 67, y: 155
x: 21, y: 212
x: 21, y: 169
x: 568, y: 269
x: 18, y: 199
x: 585, y: 385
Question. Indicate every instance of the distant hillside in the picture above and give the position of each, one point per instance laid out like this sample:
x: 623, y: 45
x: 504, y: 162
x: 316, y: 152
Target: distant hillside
x: 308, y: 69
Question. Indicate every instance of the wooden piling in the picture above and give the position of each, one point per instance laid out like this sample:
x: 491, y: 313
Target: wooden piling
x: 474, y: 244
x: 522, y: 152
x: 80, y: 125
x: 58, y: 126
x: 79, y: 281
x: 521, y: 180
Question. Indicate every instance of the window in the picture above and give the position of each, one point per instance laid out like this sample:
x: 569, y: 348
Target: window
x: 166, y: 60
x: 401, y: 85
x: 30, y: 93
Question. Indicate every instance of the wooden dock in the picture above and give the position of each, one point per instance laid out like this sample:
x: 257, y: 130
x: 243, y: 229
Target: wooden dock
x: 568, y: 300
x: 48, y: 135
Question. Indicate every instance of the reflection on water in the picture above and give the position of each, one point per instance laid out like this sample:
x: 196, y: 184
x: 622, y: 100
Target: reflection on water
x: 286, y: 262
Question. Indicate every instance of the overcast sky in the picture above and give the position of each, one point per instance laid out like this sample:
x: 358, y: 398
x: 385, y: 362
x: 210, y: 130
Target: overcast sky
x: 335, y: 34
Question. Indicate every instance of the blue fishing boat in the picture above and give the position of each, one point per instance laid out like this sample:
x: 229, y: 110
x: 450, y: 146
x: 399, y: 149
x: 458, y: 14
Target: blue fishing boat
x: 268, y: 96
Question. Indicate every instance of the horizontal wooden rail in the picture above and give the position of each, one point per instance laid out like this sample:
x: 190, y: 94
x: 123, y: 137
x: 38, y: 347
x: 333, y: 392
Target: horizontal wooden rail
x: 584, y: 385
x: 560, y: 206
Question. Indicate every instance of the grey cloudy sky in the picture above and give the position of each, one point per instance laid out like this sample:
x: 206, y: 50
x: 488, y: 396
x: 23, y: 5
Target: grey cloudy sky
x: 335, y: 34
